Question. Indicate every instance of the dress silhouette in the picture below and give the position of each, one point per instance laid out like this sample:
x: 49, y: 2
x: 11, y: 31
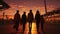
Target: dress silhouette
x: 16, y: 20
x: 37, y: 18
x: 24, y: 20
x: 30, y: 19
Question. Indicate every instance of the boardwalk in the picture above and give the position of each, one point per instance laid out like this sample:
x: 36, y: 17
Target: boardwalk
x: 48, y: 28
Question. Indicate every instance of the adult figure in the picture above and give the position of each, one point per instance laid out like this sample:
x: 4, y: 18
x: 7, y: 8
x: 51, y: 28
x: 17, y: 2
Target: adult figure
x: 37, y: 18
x: 24, y: 20
x: 30, y: 19
x: 16, y: 20
x: 42, y: 23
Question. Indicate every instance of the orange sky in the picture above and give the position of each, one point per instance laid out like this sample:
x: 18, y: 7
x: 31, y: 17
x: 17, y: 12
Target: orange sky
x: 26, y: 5
x: 21, y: 8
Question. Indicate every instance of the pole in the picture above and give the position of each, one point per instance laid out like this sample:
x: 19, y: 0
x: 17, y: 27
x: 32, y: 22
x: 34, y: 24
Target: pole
x: 45, y: 6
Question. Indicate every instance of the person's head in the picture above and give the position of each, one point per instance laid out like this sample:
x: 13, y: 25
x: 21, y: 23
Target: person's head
x: 37, y: 12
x: 17, y: 11
x: 24, y: 12
x: 30, y: 11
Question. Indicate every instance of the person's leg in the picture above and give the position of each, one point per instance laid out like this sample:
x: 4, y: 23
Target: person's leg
x: 23, y: 28
x: 31, y: 25
x: 16, y: 27
x: 29, y: 28
x: 42, y: 26
x: 37, y: 27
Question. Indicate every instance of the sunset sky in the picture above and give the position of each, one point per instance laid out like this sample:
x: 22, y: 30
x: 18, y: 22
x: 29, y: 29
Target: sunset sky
x: 26, y: 5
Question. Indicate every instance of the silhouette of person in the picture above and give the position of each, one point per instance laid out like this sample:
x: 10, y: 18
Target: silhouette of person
x: 3, y: 18
x: 42, y: 23
x: 37, y: 18
x: 30, y: 19
x: 16, y: 20
x: 24, y: 20
x: 7, y: 19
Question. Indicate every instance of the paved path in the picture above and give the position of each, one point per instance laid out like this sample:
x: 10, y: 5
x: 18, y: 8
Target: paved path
x: 48, y: 28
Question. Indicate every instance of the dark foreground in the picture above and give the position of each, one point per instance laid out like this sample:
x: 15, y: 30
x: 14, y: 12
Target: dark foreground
x: 49, y: 28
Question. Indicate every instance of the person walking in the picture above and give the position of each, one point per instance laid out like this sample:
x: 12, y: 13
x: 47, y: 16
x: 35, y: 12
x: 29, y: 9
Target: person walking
x: 37, y: 18
x: 16, y: 20
x: 30, y: 20
x: 24, y: 18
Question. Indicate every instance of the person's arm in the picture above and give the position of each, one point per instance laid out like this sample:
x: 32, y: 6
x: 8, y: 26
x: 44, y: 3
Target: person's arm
x: 14, y: 17
x: 28, y: 17
x: 19, y: 18
x: 32, y: 17
x: 35, y: 17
